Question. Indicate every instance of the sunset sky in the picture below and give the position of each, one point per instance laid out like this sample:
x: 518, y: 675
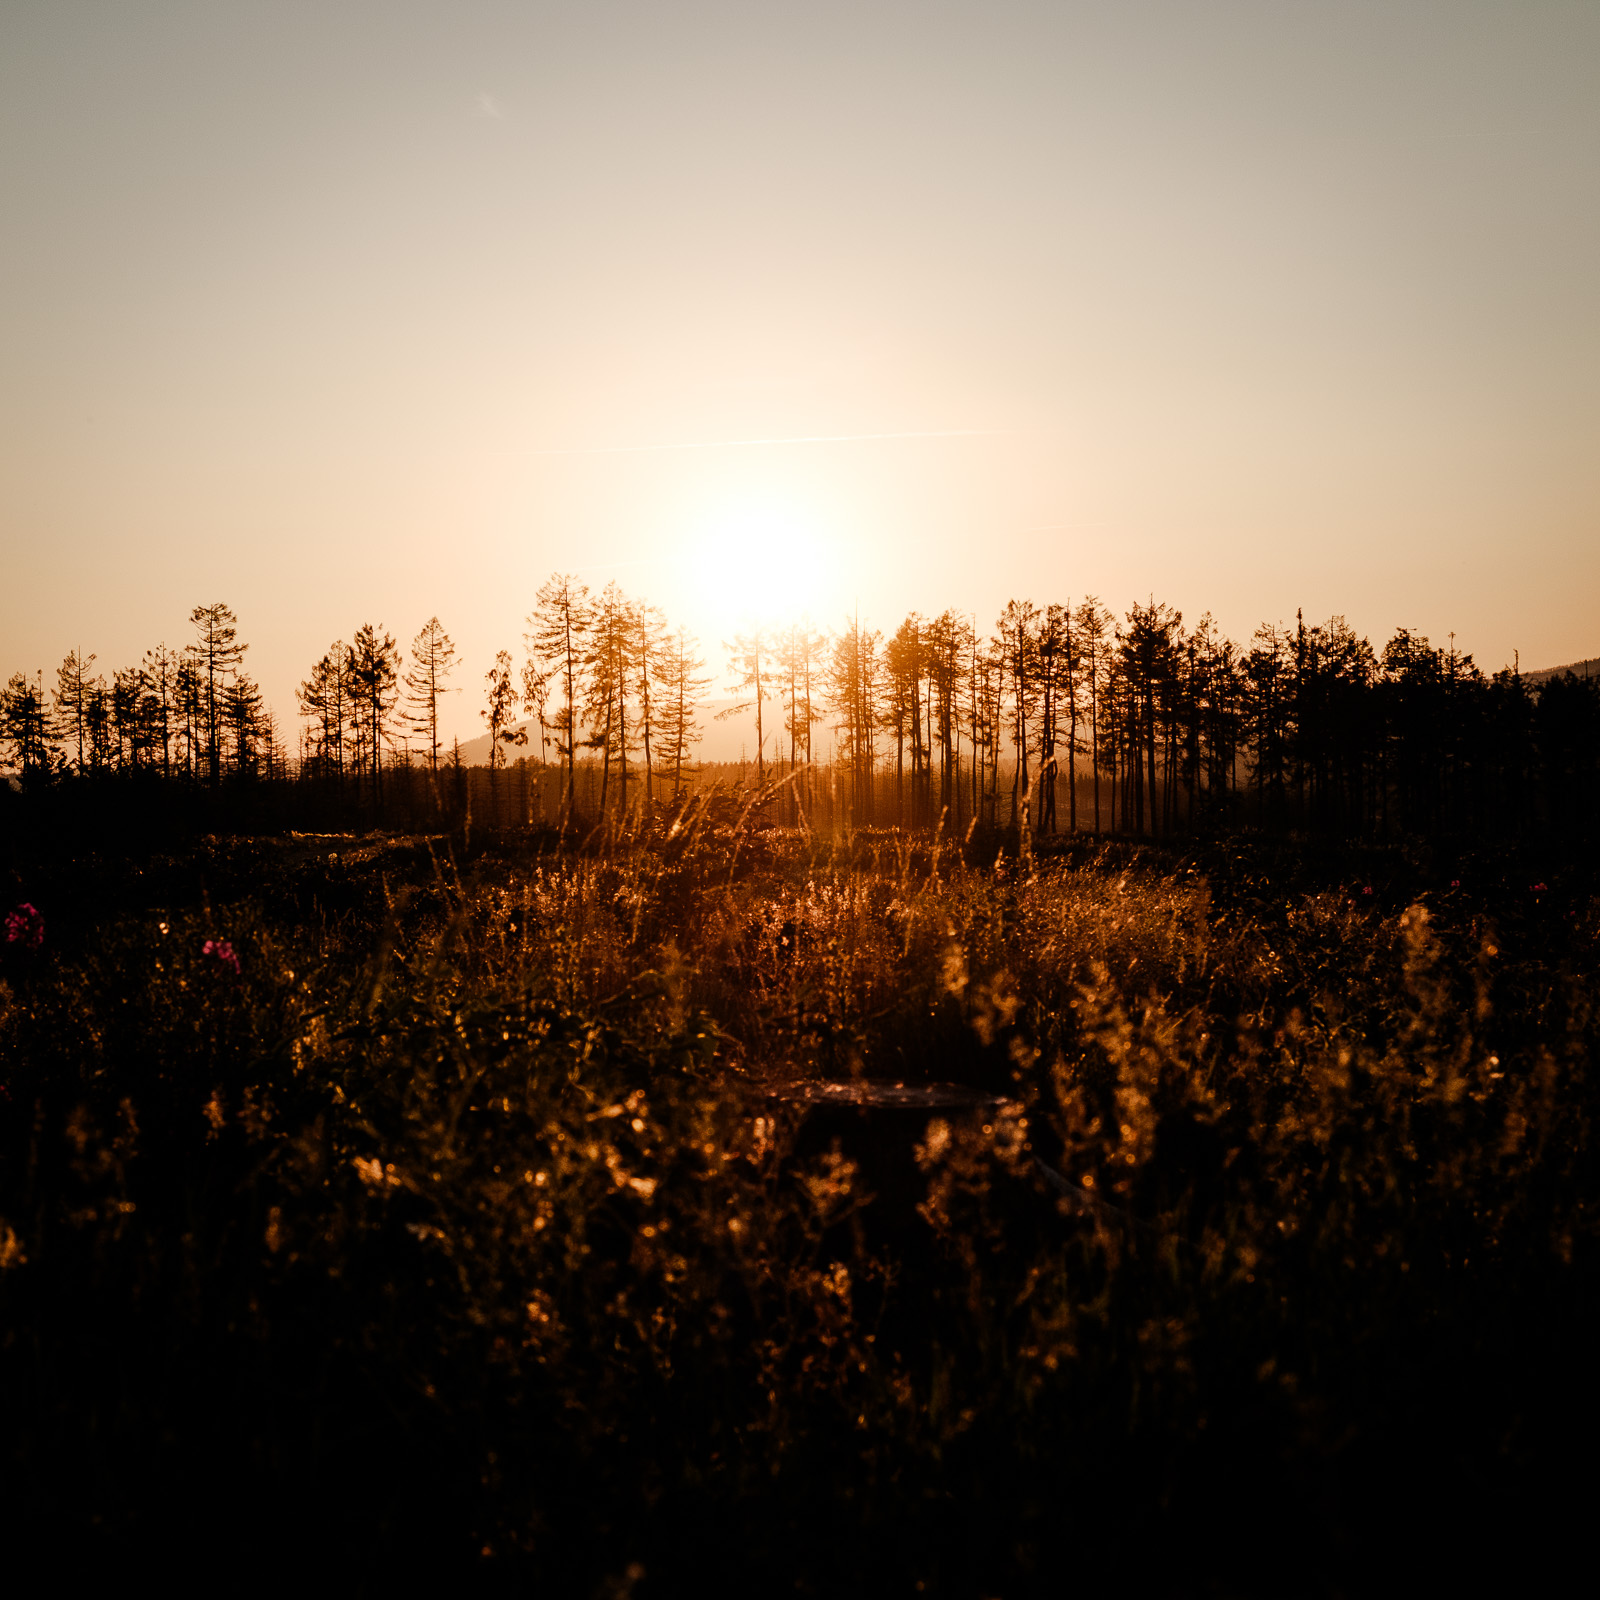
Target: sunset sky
x: 347, y: 312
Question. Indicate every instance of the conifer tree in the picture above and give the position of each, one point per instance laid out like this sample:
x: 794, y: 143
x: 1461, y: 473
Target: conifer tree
x: 1147, y: 646
x: 373, y: 669
x: 799, y: 653
x: 559, y: 625
x: 25, y: 725
x: 902, y: 666
x: 159, y: 672
x: 74, y: 689
x: 536, y: 684
x: 748, y: 654
x: 1268, y: 672
x: 324, y: 701
x: 1018, y: 648
x: 191, y: 710
x: 607, y: 682
x: 217, y: 654
x: 433, y: 656
x: 647, y: 642
x: 499, y: 708
x: 1090, y: 626
x: 127, y: 691
x: 683, y: 688
x: 244, y: 720
x: 99, y: 725
x: 855, y: 682
x: 949, y: 642
x: 1053, y: 643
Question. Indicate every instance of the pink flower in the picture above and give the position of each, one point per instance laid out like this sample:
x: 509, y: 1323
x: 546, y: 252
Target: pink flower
x: 1366, y: 888
x: 1539, y: 888
x: 1455, y: 883
x: 25, y: 926
x: 222, y: 953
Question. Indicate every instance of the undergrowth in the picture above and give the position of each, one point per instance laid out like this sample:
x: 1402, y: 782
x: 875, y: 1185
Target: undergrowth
x: 467, y: 1213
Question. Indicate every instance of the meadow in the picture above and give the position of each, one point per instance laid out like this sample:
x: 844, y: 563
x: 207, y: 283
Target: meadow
x: 704, y: 1206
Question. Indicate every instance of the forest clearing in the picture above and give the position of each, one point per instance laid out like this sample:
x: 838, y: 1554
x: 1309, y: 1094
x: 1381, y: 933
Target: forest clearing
x: 901, y: 1214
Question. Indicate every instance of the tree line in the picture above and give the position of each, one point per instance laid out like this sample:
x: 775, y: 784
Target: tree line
x: 1061, y: 718
x: 192, y: 712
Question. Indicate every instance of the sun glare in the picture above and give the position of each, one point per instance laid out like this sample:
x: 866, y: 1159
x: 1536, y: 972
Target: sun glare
x: 764, y: 563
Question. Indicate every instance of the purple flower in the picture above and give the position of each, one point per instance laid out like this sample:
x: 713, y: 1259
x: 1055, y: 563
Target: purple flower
x: 25, y: 926
x: 222, y: 953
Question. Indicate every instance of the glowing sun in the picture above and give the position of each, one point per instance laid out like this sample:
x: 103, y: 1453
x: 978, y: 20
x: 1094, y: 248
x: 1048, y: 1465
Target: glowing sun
x: 765, y: 561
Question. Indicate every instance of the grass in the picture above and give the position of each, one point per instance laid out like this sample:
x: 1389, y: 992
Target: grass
x: 472, y: 1224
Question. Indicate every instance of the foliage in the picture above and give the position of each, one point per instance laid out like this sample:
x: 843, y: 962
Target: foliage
x: 364, y: 1197
x: 1153, y: 730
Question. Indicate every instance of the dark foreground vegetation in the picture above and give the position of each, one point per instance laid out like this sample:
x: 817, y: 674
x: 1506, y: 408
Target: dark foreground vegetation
x: 375, y: 1204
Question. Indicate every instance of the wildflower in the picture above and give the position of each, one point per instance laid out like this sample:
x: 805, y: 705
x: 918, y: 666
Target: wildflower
x: 222, y: 953
x: 11, y: 1252
x: 1455, y: 883
x: 25, y: 926
x: 1366, y: 888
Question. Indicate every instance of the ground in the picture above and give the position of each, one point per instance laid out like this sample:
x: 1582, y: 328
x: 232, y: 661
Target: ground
x: 487, y: 1209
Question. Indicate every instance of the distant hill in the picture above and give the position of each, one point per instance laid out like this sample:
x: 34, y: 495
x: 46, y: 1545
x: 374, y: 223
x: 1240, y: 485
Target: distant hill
x: 1579, y: 669
x: 733, y: 739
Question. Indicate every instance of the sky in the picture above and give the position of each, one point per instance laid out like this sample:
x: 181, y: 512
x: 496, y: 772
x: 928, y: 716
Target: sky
x: 345, y: 312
